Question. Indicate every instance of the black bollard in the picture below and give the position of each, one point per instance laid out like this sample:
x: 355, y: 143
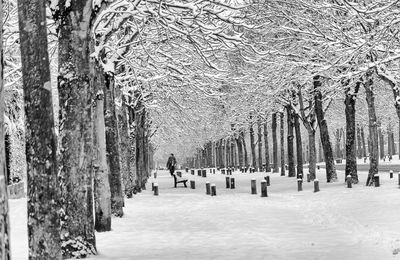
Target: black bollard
x: 213, y: 190
x: 208, y: 188
x: 308, y: 177
x: 204, y: 173
x: 316, y: 185
x: 186, y: 169
x: 192, y: 172
x: 376, y: 180
x: 268, y: 180
x: 155, y: 189
x: 223, y: 171
x: 199, y: 173
x: 192, y: 184
x: 264, y: 192
x: 391, y: 174
x: 318, y: 167
x: 299, y: 184
x: 349, y: 181
x: 155, y: 175
x: 227, y: 181
x: 253, y: 186
x: 213, y: 171
x: 210, y: 170
x: 232, y: 183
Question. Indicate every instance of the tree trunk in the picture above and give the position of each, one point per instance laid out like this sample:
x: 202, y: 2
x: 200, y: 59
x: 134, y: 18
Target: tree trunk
x: 240, y: 151
x: 363, y: 142
x: 373, y: 129
x: 253, y: 147
x: 323, y: 126
x: 126, y: 165
x: 41, y: 141
x: 266, y: 147
x: 102, y: 195
x: 359, y: 145
x: 76, y: 128
x: 112, y: 144
x: 313, y: 154
x: 140, y: 133
x: 275, y: 143
x: 381, y: 142
x: 282, y: 135
x: 5, y: 253
x: 259, y: 140
x: 246, y: 157
x: 299, y: 145
x: 350, y: 111
x: 290, y: 139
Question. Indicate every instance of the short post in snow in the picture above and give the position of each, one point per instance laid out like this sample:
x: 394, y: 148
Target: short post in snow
x: 204, y: 173
x: 227, y: 182
x: 268, y: 180
x: 155, y: 189
x: 192, y: 172
x: 186, y: 169
x: 299, y: 184
x: 213, y: 171
x: 199, y: 173
x: 193, y: 185
x: 155, y: 175
x: 232, y: 183
x: 253, y: 186
x: 391, y: 174
x: 210, y: 170
x: 308, y: 177
x: 264, y: 188
x: 316, y: 185
x: 349, y: 181
x: 213, y: 190
x: 208, y: 188
x: 376, y: 180
x: 223, y: 171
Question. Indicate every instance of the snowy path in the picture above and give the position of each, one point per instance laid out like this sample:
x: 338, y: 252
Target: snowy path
x: 337, y: 223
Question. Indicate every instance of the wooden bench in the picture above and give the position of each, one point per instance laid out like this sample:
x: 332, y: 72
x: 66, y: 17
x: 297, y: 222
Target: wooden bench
x: 179, y: 180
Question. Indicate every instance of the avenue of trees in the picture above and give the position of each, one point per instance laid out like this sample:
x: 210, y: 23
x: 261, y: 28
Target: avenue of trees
x: 107, y: 87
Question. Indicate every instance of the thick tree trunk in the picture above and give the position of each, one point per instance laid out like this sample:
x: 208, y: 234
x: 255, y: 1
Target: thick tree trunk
x: 41, y: 141
x: 240, y: 150
x: 76, y: 128
x: 246, y: 157
x: 266, y: 148
x: 275, y: 143
x: 323, y: 126
x: 102, y: 195
x: 350, y: 111
x: 5, y: 253
x: 299, y: 145
x: 313, y: 154
x: 259, y: 140
x: 253, y: 147
x: 112, y: 144
x: 282, y: 135
x: 140, y: 133
x: 126, y: 165
x: 373, y: 129
x: 290, y: 141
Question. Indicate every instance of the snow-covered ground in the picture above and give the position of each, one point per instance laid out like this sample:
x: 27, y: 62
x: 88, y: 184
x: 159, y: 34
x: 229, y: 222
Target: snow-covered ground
x: 336, y: 223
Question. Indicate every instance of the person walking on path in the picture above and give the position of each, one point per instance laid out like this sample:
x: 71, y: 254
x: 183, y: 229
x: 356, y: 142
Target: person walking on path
x: 171, y: 164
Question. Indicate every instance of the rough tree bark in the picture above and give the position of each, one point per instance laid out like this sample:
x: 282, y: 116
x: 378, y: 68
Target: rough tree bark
x: 350, y: 111
x: 282, y: 135
x: 373, y: 128
x: 381, y: 142
x: 259, y: 140
x: 76, y: 127
x: 102, y: 195
x: 240, y: 150
x: 252, y: 147
x: 5, y: 253
x: 140, y: 134
x: 275, y: 143
x: 324, y: 133
x: 266, y: 147
x: 359, y: 144
x: 290, y: 139
x: 126, y: 165
x: 41, y: 141
x: 363, y: 142
x: 299, y: 145
x: 112, y: 145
